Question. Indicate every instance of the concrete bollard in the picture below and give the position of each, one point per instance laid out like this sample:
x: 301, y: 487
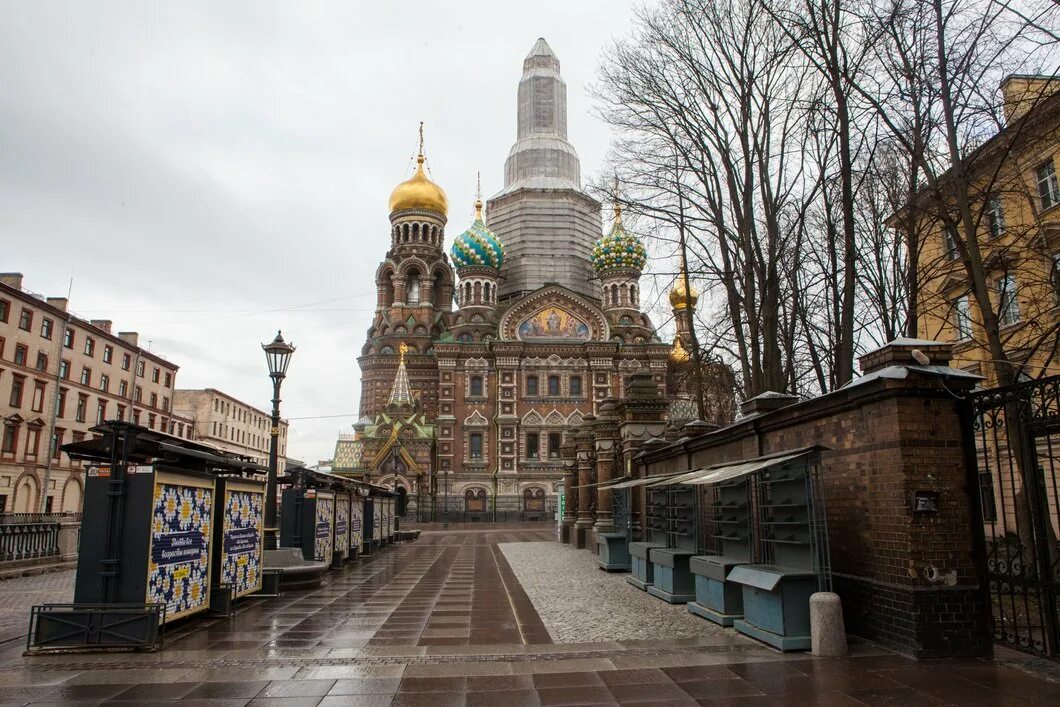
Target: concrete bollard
x: 828, y: 637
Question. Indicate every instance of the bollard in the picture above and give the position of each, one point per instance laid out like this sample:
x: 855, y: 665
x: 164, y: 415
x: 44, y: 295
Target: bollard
x: 828, y: 636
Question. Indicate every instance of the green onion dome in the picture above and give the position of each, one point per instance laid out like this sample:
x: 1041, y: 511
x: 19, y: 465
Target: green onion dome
x: 477, y: 245
x: 619, y: 250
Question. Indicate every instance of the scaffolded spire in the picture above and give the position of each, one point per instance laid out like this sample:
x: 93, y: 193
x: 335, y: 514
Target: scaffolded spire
x: 400, y: 392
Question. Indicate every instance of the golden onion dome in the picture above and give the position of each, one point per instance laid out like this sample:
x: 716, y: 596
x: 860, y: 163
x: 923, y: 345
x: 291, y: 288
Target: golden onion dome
x: 679, y: 354
x: 681, y: 298
x: 419, y: 193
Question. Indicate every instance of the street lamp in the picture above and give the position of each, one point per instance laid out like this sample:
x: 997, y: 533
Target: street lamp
x: 278, y: 355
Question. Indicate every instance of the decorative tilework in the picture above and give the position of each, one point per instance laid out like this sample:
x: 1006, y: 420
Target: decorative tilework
x: 179, y: 568
x: 619, y: 249
x: 357, y: 524
x: 342, y: 525
x: 477, y: 246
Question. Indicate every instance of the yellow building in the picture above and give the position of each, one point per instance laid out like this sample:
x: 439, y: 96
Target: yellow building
x: 1016, y: 199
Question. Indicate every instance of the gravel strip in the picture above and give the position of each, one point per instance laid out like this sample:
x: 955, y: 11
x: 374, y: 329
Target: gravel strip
x: 579, y: 602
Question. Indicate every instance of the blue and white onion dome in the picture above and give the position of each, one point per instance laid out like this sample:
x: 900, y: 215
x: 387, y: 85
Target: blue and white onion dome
x: 477, y: 246
x: 619, y: 249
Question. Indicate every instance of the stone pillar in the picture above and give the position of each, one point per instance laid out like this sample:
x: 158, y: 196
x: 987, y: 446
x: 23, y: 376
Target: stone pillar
x: 641, y: 421
x: 606, y: 438
x: 570, y: 480
x: 584, y: 451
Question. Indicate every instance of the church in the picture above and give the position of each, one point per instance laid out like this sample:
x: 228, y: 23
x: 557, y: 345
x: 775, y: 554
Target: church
x: 482, y: 356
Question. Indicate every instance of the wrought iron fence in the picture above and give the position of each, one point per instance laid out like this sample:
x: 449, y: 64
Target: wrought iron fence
x: 1014, y: 439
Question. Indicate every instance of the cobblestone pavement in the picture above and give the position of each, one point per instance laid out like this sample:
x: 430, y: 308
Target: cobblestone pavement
x: 446, y: 621
x: 579, y: 602
x: 19, y: 594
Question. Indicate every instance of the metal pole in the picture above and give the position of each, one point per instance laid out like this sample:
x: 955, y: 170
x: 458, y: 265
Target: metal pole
x: 271, y: 540
x: 445, y: 499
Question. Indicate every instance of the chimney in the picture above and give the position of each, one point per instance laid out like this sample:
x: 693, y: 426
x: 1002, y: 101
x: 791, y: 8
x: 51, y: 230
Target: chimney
x: 899, y: 352
x: 130, y: 337
x: 766, y: 402
x: 103, y: 324
x: 58, y: 302
x: 1020, y: 93
x: 12, y: 279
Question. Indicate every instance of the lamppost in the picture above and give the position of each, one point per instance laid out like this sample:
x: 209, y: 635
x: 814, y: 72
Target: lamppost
x: 278, y: 355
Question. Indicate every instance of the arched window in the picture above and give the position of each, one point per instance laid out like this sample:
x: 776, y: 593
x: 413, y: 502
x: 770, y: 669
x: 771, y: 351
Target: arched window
x: 478, y: 293
x: 486, y: 293
x: 553, y: 385
x: 475, y: 386
x: 412, y: 288
x: 614, y: 294
x: 634, y: 295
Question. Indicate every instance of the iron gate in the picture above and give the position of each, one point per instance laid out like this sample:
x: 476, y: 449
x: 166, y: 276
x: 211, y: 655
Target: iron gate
x: 1015, y: 435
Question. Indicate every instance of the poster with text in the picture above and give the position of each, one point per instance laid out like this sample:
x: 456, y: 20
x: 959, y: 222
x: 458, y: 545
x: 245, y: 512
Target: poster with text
x: 342, y: 525
x: 325, y: 517
x: 241, y: 532
x: 178, y: 573
x: 356, y: 524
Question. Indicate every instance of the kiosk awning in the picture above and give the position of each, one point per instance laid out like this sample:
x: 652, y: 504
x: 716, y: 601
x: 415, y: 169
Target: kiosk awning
x: 731, y: 470
x: 610, y: 483
x: 662, y: 478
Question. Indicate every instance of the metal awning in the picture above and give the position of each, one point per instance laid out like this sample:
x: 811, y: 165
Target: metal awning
x: 610, y: 483
x: 731, y: 470
x: 646, y: 480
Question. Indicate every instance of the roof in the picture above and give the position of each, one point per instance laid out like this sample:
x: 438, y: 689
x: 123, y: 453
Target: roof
x: 733, y: 470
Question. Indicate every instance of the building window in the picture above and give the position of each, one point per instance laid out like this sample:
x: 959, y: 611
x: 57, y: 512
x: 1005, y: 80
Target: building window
x: 64, y: 369
x: 995, y: 216
x: 25, y: 321
x: 1008, y: 304
x: 154, y: 375
x: 475, y: 386
x: 62, y: 402
x: 57, y: 442
x: 10, y: 439
x: 123, y: 388
x: 32, y: 441
x: 101, y: 412
x: 962, y: 318
x: 108, y: 353
x: 38, y: 396
x: 21, y: 352
x: 90, y: 346
x: 136, y: 416
x: 533, y: 445
x: 165, y: 403
x: 139, y: 394
x: 17, y: 384
x: 576, y: 386
x: 553, y: 385
x: 169, y: 379
x: 555, y: 441
x: 949, y: 241
x: 126, y: 361
x: 86, y: 376
x: 46, y: 327
x: 151, y: 420
x: 531, y: 385
x: 475, y: 446
x: 154, y: 400
x: 42, y: 361
x: 68, y: 339
x: 1048, y: 187
x: 82, y: 408
x: 104, y: 382
x: 5, y: 310
x: 121, y: 412
x: 140, y: 368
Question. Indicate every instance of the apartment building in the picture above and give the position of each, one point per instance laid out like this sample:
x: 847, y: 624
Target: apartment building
x: 230, y: 424
x: 60, y: 375
x: 1017, y: 196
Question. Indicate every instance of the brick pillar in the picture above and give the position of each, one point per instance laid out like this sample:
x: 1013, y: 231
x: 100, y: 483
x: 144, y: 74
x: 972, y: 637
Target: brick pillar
x: 570, y: 480
x: 641, y: 420
x: 605, y: 432
x: 584, y: 451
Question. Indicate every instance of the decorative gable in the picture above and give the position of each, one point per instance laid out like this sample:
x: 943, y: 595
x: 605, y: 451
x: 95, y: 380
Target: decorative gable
x: 555, y: 314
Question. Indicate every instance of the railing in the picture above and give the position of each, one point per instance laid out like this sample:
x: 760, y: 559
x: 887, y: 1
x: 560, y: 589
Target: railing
x: 29, y: 536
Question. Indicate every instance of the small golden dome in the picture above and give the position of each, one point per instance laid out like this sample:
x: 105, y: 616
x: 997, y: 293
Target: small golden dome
x: 419, y: 193
x: 680, y: 299
x: 679, y: 354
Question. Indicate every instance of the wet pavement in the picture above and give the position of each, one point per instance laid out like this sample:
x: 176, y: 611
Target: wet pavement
x: 444, y: 621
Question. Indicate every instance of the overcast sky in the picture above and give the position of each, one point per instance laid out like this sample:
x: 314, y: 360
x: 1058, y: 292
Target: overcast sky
x: 210, y: 172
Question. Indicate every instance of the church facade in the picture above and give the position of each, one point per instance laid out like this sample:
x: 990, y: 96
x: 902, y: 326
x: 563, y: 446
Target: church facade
x: 483, y: 356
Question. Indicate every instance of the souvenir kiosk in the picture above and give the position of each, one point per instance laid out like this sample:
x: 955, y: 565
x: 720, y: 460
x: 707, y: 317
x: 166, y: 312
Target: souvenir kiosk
x: 308, y: 514
x: 642, y: 570
x: 153, y: 538
x: 612, y: 549
x: 342, y: 527
x: 357, y: 522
